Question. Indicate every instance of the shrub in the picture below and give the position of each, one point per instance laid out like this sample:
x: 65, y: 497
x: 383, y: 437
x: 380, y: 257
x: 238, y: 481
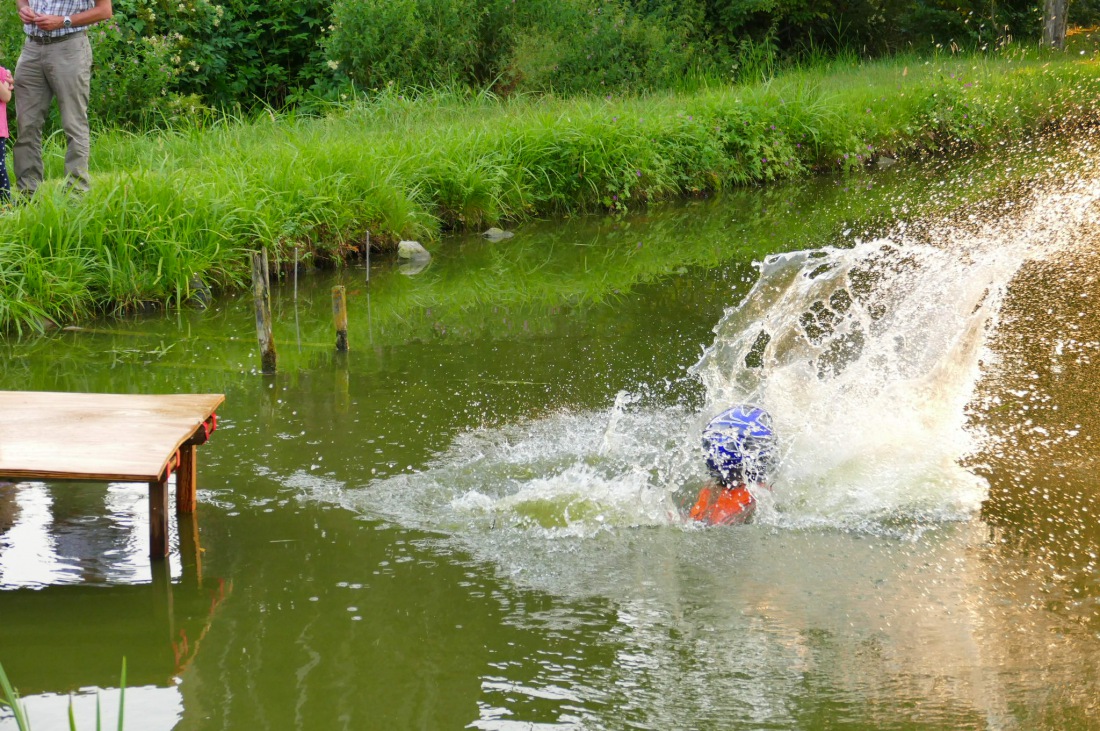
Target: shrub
x: 598, y: 46
x: 132, y: 76
x: 407, y: 42
x: 242, y: 52
x: 159, y: 59
x: 567, y: 45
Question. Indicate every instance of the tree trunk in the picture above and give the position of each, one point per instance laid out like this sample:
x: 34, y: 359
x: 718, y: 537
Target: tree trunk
x: 1054, y: 23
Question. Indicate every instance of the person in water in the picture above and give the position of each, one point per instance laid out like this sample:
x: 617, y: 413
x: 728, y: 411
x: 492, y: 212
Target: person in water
x: 740, y: 450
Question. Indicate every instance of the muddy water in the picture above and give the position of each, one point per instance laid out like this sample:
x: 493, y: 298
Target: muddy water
x: 475, y: 518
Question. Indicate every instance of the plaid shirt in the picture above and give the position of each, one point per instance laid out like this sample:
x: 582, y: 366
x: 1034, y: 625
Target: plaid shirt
x: 57, y: 7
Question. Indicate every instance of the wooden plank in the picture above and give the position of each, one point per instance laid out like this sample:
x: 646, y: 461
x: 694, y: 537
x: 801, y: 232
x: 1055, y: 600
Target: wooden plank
x: 108, y: 437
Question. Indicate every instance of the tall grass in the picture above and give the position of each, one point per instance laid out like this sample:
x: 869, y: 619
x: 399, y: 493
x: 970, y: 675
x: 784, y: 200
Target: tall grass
x: 10, y: 698
x: 180, y: 209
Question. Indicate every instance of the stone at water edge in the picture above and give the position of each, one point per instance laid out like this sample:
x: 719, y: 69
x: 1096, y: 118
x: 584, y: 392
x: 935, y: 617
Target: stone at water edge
x: 201, y: 295
x: 412, y: 250
x: 496, y: 234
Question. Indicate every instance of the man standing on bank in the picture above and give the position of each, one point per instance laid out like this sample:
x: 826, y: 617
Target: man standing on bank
x: 56, y: 62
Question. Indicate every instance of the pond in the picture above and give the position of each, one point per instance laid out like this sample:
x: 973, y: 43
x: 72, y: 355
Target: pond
x: 474, y: 519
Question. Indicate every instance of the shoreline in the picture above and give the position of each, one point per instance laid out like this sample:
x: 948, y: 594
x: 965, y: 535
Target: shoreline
x: 175, y: 212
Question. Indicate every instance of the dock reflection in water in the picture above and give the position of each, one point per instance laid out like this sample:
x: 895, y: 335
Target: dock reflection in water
x: 80, y: 594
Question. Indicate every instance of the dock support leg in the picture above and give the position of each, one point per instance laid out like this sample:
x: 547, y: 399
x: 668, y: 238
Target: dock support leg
x: 158, y: 519
x: 186, y: 499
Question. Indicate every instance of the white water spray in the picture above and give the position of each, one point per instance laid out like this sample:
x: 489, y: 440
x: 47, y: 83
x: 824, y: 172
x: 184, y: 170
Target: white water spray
x: 866, y: 357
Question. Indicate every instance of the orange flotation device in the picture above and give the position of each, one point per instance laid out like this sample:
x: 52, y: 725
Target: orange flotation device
x: 719, y: 505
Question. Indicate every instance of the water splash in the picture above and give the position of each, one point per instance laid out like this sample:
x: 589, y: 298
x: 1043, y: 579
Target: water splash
x: 866, y: 356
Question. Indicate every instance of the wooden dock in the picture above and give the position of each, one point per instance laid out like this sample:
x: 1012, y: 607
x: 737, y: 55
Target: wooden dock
x: 109, y: 438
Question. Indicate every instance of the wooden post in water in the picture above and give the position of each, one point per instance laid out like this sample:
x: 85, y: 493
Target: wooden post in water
x: 158, y: 518
x: 367, y: 253
x: 340, y: 317
x: 186, y: 497
x: 261, y: 293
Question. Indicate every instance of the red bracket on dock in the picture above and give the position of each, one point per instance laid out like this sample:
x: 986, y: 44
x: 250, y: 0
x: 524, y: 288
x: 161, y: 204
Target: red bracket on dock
x: 202, y: 436
x: 173, y: 463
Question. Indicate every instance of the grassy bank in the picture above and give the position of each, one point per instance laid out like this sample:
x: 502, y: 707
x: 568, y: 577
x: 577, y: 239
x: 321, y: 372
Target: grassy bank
x: 172, y: 209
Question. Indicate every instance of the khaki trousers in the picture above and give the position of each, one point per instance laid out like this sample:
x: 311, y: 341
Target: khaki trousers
x: 45, y: 72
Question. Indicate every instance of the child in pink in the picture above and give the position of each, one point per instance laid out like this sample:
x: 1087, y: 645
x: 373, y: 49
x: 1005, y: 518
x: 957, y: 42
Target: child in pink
x: 7, y: 83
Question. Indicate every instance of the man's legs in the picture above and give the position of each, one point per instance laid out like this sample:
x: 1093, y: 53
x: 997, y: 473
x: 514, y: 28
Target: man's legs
x: 32, y: 97
x: 69, y: 72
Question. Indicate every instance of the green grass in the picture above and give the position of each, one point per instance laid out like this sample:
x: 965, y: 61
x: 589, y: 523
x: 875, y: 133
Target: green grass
x: 171, y: 208
x: 9, y: 698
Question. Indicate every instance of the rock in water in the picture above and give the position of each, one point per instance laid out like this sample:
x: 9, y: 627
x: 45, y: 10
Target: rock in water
x: 496, y: 234
x: 412, y: 267
x: 412, y: 250
x: 201, y: 296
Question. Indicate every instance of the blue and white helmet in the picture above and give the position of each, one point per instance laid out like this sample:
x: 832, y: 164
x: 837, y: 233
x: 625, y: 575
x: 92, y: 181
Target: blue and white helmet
x: 740, y: 445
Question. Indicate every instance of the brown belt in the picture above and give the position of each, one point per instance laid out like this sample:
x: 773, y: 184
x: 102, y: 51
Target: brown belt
x: 46, y: 40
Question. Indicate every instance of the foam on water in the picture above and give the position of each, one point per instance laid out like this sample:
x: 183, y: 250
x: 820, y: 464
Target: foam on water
x: 567, y: 474
x: 866, y: 357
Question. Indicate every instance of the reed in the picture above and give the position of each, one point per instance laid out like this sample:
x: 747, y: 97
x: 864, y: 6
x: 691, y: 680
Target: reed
x: 182, y: 208
x: 10, y: 698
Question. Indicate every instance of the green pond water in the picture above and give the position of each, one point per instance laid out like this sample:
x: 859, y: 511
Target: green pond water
x: 474, y: 518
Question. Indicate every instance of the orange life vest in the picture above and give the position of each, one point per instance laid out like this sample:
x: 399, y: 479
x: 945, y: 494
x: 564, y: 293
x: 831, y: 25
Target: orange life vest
x: 717, y: 505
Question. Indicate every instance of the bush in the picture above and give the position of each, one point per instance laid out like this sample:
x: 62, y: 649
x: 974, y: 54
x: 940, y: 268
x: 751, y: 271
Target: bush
x: 172, y: 56
x: 243, y: 52
x: 129, y: 67
x: 406, y: 42
x: 567, y: 45
x: 599, y: 47
x: 869, y: 26
x: 159, y: 59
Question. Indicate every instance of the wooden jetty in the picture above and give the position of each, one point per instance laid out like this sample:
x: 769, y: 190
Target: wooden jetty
x: 109, y: 438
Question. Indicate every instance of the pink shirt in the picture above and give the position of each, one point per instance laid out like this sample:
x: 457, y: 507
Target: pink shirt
x: 5, y: 76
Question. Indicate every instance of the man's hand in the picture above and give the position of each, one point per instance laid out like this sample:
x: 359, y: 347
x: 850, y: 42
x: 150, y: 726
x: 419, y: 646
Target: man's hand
x: 49, y: 22
x: 28, y: 15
